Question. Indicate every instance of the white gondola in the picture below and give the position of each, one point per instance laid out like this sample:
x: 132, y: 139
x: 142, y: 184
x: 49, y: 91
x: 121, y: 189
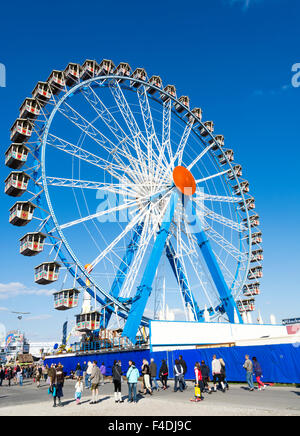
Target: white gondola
x: 220, y: 142
x: 246, y: 305
x: 257, y: 255
x: 89, y: 69
x: 72, y: 74
x: 244, y: 188
x: 16, y: 155
x: 32, y: 244
x: 254, y: 221
x: 227, y: 156
x: 197, y: 111
x: 140, y: 74
x: 208, y: 128
x: 21, y: 130
x: 237, y: 172
x: 42, y: 93
x: 251, y: 289
x: 154, y: 81
x: 255, y: 273
x: 66, y: 299
x: 56, y: 81
x: 21, y: 213
x: 30, y: 108
x: 256, y: 238
x: 250, y: 204
x: 169, y: 89
x: 16, y: 183
x: 88, y: 321
x: 184, y: 103
x: 123, y: 69
x: 106, y: 66
x: 46, y: 272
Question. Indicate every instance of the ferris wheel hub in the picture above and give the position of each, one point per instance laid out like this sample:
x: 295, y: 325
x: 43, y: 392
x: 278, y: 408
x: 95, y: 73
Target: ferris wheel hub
x: 184, y: 180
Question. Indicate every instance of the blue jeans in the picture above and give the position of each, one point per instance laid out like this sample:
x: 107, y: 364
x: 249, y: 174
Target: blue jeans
x: 21, y: 380
x: 132, y: 391
x: 153, y: 379
x: 181, y: 384
x: 87, y: 382
x: 249, y: 378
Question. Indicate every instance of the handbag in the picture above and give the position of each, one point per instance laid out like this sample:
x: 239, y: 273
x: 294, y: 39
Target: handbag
x: 197, y: 391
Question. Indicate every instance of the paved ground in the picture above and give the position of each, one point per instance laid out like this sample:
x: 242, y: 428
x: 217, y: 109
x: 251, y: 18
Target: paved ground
x: 33, y: 401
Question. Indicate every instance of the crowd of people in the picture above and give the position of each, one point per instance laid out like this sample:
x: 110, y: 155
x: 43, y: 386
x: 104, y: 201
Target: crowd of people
x: 91, y: 376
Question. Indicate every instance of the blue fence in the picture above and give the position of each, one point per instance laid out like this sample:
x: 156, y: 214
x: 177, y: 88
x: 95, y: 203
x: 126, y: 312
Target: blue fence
x: 280, y: 363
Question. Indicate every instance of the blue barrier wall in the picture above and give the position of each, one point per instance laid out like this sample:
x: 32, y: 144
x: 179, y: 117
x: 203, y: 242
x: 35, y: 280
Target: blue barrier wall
x: 280, y: 363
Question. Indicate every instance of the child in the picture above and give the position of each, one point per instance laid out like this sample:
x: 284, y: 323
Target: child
x: 198, y: 384
x: 78, y: 389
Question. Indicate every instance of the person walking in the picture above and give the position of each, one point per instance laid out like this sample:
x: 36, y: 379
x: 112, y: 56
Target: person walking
x: 89, y: 370
x: 248, y: 366
x: 78, y: 390
x: 163, y: 374
x: 132, y: 376
x: 199, y: 387
x: 38, y: 375
x: 153, y: 374
x: 103, y: 373
x: 2, y: 375
x: 117, y: 381
x: 178, y: 376
x: 184, y: 367
x: 146, y: 377
x: 217, y: 373
x: 205, y: 376
x: 60, y: 379
x: 9, y: 375
x: 258, y: 374
x: 20, y: 376
x: 78, y: 370
x: 95, y: 380
x: 223, y: 373
x: 52, y: 381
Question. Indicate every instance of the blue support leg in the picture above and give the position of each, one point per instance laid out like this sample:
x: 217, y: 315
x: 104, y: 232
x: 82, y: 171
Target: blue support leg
x: 123, y: 269
x: 144, y: 290
x: 179, y: 273
x: 225, y: 294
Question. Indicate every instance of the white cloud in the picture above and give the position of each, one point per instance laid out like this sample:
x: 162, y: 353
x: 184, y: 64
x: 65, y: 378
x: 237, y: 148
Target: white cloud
x: 14, y: 289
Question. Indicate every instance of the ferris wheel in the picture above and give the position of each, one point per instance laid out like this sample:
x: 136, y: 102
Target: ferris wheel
x: 128, y: 184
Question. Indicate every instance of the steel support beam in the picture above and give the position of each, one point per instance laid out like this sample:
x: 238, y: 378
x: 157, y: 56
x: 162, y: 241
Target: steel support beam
x: 145, y: 288
x: 226, y: 297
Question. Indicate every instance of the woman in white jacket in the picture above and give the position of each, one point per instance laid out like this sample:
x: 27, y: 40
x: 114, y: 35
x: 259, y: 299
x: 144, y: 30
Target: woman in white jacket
x: 217, y: 373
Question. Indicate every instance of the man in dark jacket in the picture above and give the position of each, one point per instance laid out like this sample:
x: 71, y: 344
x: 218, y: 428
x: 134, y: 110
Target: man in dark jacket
x: 184, y: 366
x: 153, y: 374
x: 205, y: 376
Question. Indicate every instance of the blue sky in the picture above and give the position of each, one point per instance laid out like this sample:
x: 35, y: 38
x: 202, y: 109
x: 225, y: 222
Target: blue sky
x: 233, y: 58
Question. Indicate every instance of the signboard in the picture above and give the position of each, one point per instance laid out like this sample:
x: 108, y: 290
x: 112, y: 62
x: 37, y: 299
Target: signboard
x: 291, y: 321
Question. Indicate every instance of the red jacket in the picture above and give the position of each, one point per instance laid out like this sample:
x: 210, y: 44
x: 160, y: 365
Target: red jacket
x: 198, y: 374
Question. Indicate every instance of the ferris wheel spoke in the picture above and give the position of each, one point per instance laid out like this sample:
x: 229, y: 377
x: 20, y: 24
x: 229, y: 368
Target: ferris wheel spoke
x: 138, y: 218
x: 86, y: 184
x: 209, y: 197
x: 183, y: 141
x: 200, y: 156
x: 96, y: 103
x: 131, y: 122
x: 208, y: 213
x: 204, y: 179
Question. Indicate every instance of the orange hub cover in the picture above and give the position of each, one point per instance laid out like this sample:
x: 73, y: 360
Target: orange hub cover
x: 184, y: 180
